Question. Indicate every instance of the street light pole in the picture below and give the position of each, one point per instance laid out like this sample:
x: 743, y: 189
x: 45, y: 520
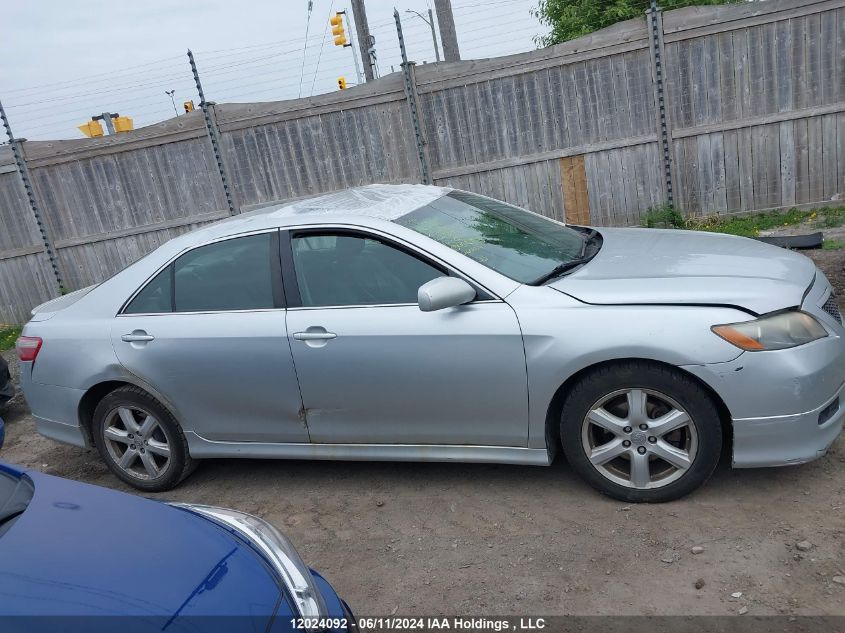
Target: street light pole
x: 170, y: 94
x: 430, y: 23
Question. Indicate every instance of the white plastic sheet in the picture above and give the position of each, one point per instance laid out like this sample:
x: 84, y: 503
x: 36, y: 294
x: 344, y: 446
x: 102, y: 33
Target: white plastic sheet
x: 386, y: 202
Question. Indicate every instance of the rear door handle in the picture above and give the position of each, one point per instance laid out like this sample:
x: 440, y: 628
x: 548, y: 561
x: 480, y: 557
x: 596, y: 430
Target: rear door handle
x: 314, y: 336
x: 138, y: 336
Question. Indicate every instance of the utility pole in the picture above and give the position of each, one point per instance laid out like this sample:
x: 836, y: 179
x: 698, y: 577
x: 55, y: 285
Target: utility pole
x: 430, y: 22
x: 106, y: 117
x: 352, y: 43
x: 448, y: 36
x: 365, y: 42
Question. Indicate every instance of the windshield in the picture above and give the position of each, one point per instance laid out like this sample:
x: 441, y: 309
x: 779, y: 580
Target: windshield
x: 518, y: 244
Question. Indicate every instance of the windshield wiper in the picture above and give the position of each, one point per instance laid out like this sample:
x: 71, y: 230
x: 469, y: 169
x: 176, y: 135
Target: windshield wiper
x: 558, y: 270
x: 8, y: 517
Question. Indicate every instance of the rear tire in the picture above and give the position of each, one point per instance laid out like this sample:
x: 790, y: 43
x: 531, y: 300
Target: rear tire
x: 641, y: 432
x: 140, y: 440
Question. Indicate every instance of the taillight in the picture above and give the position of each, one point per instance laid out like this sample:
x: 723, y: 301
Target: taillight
x: 28, y: 347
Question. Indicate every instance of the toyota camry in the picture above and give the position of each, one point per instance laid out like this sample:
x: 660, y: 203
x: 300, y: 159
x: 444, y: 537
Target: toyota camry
x: 412, y: 322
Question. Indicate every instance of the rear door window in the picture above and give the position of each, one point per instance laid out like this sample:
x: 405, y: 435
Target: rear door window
x: 237, y: 274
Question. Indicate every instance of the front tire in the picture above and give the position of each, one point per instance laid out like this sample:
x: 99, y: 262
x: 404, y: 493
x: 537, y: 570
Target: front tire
x: 641, y: 432
x: 140, y: 441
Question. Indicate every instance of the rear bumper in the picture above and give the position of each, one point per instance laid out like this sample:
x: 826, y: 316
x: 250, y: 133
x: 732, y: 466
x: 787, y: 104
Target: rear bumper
x: 54, y: 409
x: 776, y: 399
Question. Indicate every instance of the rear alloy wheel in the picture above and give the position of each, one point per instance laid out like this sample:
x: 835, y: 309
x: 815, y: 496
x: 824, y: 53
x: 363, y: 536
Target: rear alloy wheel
x: 639, y: 431
x: 140, y: 441
x: 137, y: 443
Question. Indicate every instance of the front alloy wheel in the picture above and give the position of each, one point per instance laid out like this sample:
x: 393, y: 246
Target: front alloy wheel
x: 641, y: 431
x: 639, y: 438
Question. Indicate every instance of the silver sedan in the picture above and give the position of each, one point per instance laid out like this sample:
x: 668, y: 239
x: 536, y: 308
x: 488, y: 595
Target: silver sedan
x: 423, y: 323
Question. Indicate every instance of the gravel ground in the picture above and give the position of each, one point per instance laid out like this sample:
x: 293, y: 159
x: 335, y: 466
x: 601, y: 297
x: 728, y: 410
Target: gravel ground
x: 431, y: 539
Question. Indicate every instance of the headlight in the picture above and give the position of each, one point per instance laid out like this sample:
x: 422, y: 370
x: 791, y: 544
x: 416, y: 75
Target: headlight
x: 775, y: 331
x: 277, y: 549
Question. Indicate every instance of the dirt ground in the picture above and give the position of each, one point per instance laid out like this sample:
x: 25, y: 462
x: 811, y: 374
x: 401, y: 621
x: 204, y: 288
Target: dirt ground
x: 462, y: 539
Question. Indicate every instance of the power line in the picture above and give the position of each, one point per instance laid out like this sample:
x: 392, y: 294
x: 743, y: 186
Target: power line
x: 305, y: 47
x: 322, y: 44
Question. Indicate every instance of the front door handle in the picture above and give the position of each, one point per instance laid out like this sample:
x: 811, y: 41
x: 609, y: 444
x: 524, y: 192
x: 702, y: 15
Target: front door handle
x: 138, y: 336
x: 314, y: 336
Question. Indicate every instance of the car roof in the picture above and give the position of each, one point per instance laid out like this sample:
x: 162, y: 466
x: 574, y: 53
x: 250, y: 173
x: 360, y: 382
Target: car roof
x: 383, y: 202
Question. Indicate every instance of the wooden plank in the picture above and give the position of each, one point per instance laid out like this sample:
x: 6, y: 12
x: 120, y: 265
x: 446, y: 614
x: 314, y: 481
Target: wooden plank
x: 742, y: 75
x: 769, y: 78
x: 815, y: 159
x: 729, y: 108
x: 840, y: 161
x: 787, y: 164
x: 798, y: 63
x: 705, y: 174
x: 733, y: 199
x: 569, y: 151
x: 576, y: 199
x: 139, y: 230
x: 772, y: 137
x: 691, y: 22
x: 812, y: 26
x: 829, y: 56
x: 829, y: 158
x: 802, y: 164
x: 717, y: 162
x: 746, y: 168
x: 759, y: 120
x: 782, y: 77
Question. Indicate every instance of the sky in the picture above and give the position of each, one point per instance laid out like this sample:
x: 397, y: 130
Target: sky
x: 66, y: 61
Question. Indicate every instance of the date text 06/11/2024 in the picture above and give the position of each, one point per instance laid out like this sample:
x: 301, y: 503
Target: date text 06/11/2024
x: 399, y: 623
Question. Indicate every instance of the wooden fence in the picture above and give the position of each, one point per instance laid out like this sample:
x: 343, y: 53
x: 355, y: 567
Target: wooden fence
x: 754, y: 119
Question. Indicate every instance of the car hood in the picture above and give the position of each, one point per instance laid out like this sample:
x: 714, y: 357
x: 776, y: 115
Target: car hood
x: 653, y: 266
x: 85, y: 551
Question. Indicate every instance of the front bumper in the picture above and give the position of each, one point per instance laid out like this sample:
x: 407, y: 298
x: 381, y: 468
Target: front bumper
x: 788, y: 439
x: 787, y: 406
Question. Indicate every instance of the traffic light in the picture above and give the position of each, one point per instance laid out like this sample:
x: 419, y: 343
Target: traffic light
x: 189, y: 106
x: 341, y: 83
x: 337, y: 29
x: 122, y: 124
x: 91, y: 129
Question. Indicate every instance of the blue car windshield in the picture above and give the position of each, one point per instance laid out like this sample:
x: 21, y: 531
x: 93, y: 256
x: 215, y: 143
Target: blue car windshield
x: 15, y: 495
x: 516, y: 243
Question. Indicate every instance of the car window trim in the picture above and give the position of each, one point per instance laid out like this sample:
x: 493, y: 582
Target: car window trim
x: 276, y: 276
x: 292, y: 285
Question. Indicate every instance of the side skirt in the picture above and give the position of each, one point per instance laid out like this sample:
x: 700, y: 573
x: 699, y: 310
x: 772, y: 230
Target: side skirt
x: 202, y: 448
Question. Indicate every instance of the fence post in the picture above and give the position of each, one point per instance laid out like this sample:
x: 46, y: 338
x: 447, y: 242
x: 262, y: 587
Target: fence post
x: 20, y: 162
x: 654, y: 19
x: 412, y: 97
x: 213, y: 134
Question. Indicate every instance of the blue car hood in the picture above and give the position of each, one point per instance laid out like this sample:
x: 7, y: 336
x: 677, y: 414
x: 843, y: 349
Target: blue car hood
x: 85, y: 550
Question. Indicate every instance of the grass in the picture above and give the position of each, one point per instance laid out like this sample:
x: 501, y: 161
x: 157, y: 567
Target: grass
x: 8, y: 336
x: 833, y: 245
x: 747, y: 225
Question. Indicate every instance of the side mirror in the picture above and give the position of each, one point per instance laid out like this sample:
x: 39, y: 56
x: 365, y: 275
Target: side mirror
x: 444, y: 292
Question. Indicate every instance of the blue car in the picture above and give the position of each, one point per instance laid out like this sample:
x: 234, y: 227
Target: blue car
x: 80, y: 557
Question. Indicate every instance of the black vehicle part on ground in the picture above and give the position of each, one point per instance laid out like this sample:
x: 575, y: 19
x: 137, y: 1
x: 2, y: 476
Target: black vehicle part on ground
x: 810, y: 240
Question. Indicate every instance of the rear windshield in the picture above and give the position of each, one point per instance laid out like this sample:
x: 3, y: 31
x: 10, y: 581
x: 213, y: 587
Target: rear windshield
x: 15, y: 495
